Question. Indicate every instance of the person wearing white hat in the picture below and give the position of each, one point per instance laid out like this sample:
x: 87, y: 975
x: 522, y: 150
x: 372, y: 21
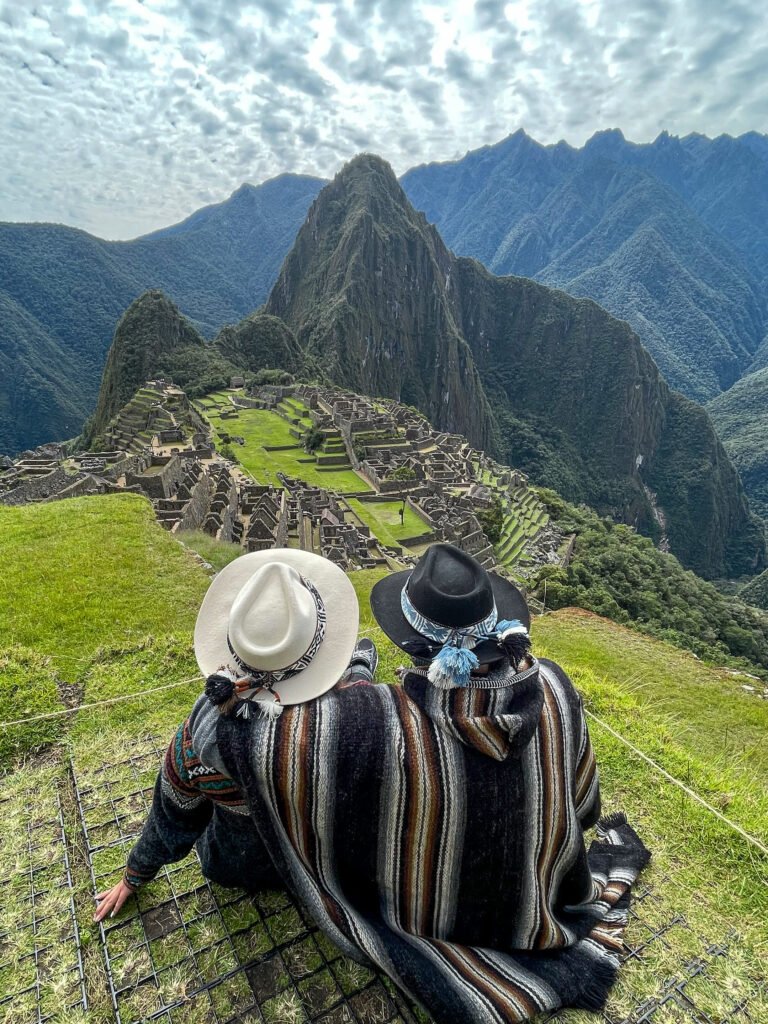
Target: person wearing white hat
x: 276, y: 628
x: 435, y: 828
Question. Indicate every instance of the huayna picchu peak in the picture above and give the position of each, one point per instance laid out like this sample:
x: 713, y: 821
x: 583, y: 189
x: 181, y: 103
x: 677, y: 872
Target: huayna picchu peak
x: 373, y: 300
x: 549, y: 383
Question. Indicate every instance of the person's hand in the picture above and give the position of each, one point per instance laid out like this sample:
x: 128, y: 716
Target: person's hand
x: 111, y: 900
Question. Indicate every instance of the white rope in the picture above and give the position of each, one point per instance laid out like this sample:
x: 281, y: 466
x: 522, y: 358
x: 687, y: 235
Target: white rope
x: 671, y: 778
x: 100, y: 703
x: 635, y: 750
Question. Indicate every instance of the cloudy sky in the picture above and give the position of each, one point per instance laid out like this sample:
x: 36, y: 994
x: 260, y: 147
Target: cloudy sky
x: 121, y: 116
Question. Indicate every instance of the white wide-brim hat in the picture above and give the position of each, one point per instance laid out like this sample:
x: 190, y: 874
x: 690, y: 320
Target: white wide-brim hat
x: 285, y: 617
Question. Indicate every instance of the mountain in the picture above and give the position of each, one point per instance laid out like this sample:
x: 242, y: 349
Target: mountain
x: 671, y: 236
x: 258, y: 342
x: 62, y: 292
x: 364, y: 289
x: 756, y: 591
x: 549, y: 383
x: 150, y: 330
x: 154, y: 339
x: 740, y: 417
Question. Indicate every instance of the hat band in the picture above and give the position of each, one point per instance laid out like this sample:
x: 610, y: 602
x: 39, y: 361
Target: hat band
x: 464, y: 636
x: 268, y: 679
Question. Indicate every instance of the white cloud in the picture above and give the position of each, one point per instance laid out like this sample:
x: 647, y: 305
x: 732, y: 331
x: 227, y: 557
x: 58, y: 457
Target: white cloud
x: 120, y: 116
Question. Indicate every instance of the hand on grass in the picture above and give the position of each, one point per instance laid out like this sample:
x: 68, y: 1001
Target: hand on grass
x: 111, y: 900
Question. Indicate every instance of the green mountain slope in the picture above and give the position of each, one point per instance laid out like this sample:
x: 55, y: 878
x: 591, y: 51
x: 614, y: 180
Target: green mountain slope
x: 376, y: 298
x: 68, y: 290
x: 741, y: 419
x: 756, y: 592
x: 659, y: 234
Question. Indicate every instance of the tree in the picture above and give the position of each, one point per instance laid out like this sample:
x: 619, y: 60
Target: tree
x: 402, y: 473
x: 313, y: 440
x: 492, y: 519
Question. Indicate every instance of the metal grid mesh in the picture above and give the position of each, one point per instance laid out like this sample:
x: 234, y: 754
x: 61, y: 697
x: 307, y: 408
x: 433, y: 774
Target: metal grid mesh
x: 698, y: 991
x: 41, y: 966
x: 188, y: 950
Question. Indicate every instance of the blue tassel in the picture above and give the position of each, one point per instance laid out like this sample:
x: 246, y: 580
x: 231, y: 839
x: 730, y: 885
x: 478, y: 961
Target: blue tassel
x: 452, y: 667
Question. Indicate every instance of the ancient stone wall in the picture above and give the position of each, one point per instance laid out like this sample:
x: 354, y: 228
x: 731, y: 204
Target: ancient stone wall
x: 37, y: 488
x: 197, y: 507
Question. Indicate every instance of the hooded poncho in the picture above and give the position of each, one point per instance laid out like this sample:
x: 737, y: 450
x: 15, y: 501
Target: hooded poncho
x: 439, y: 834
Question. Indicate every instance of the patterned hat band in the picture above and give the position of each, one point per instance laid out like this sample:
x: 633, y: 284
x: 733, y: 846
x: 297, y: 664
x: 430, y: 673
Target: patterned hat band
x: 452, y: 649
x: 464, y: 636
x: 266, y: 680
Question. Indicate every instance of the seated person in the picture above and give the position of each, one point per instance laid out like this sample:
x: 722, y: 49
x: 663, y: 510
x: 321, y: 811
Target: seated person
x: 195, y: 802
x: 435, y: 829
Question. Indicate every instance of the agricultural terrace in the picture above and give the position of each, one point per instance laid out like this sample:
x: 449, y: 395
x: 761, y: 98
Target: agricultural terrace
x: 263, y: 431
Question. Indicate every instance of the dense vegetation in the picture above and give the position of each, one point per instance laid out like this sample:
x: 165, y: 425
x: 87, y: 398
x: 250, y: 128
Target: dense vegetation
x: 756, y: 591
x: 63, y: 292
x: 617, y: 573
x: 741, y: 419
x: 671, y: 236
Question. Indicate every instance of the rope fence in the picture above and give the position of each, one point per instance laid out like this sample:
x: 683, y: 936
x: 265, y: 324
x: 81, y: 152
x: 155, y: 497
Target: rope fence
x: 752, y: 840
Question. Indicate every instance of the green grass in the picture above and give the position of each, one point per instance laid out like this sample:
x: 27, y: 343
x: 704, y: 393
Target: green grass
x: 714, y: 724
x: 217, y: 553
x: 693, y: 720
x: 82, y: 572
x: 262, y: 429
x: 27, y: 688
x: 383, y: 517
x: 640, y: 687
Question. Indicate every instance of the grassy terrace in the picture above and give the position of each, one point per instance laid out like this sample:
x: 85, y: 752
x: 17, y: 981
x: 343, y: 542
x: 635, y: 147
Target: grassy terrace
x: 97, y: 580
x: 383, y: 517
x: 262, y: 429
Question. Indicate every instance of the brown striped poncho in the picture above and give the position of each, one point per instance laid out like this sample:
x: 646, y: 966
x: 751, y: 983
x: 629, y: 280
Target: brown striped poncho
x: 439, y: 834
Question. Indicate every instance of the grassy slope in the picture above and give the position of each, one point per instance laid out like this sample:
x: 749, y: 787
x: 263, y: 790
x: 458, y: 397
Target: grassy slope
x: 715, y: 879
x: 721, y: 728
x: 258, y: 427
x: 78, y: 573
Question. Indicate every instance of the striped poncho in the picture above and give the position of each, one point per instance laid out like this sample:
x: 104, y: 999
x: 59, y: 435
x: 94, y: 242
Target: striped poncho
x: 439, y: 834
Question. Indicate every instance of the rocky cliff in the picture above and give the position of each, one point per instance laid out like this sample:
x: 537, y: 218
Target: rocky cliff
x: 551, y: 383
x: 366, y: 291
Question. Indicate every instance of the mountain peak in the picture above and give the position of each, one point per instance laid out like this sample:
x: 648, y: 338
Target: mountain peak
x: 151, y: 325
x: 364, y: 172
x: 608, y: 137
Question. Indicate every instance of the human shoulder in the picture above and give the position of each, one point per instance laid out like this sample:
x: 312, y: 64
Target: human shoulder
x: 554, y: 678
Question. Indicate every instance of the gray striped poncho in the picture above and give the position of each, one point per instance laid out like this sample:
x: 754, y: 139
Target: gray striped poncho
x: 439, y: 834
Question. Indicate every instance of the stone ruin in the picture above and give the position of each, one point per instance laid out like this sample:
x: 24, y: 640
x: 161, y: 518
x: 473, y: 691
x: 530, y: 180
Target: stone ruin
x: 160, y: 445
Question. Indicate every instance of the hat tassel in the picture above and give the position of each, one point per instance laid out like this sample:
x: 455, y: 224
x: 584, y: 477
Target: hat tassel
x: 452, y: 667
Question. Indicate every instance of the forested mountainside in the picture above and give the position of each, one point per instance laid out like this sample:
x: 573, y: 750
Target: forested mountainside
x: 756, y: 591
x: 741, y: 419
x: 153, y: 338
x: 671, y: 236
x: 62, y: 292
x: 547, y: 382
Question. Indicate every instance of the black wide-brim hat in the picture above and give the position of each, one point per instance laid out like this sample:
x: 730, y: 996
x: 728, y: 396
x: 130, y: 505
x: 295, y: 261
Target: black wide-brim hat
x: 450, y: 588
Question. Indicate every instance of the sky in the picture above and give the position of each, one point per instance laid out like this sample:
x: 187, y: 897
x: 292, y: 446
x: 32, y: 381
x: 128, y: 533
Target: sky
x: 123, y: 116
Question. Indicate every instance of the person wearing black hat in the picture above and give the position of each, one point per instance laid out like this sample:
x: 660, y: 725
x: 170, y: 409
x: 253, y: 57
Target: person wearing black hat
x: 436, y: 829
